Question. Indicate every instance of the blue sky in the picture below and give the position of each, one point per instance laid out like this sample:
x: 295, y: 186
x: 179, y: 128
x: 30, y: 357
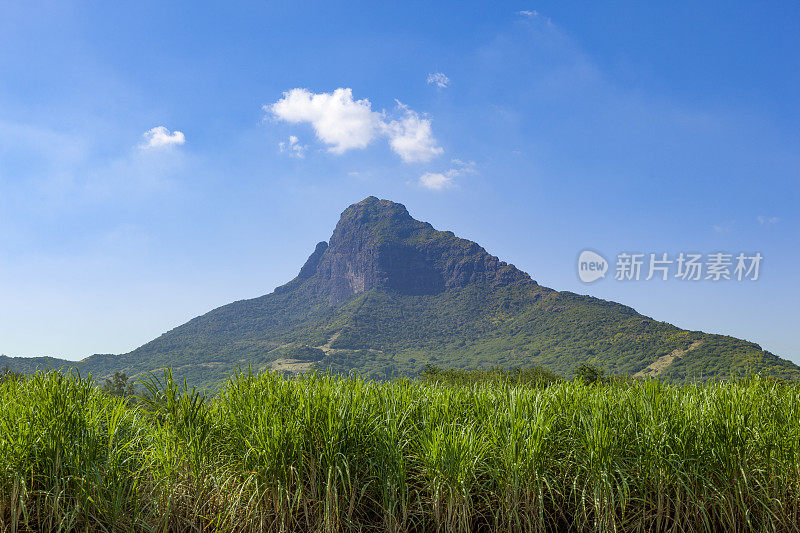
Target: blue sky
x: 161, y: 159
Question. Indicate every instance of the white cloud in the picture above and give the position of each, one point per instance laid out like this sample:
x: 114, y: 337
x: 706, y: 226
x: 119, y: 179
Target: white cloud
x: 765, y: 220
x: 293, y: 147
x: 344, y: 123
x: 436, y: 181
x: 412, y: 138
x: 338, y: 120
x: 528, y: 13
x: 439, y: 181
x: 463, y: 167
x: 438, y: 79
x: 724, y: 227
x: 161, y: 136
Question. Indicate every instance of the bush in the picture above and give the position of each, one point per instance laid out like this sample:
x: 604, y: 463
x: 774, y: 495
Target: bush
x: 590, y: 374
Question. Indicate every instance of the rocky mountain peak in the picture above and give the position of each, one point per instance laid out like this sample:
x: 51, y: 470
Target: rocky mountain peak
x: 371, y: 210
x: 377, y: 244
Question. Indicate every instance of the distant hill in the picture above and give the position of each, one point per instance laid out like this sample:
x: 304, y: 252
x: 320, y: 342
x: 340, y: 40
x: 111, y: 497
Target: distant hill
x: 28, y: 365
x: 389, y: 294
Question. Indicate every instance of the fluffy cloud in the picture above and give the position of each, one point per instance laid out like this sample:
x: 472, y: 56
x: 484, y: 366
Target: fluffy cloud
x: 438, y: 79
x: 439, y: 181
x: 528, y: 13
x: 161, y: 136
x: 293, y: 147
x: 412, y: 137
x: 344, y: 123
x: 338, y: 120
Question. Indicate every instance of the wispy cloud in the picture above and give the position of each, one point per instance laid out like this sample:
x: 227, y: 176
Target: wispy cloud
x: 464, y: 167
x: 344, y: 123
x: 528, y: 13
x: 439, y: 181
x: 767, y: 221
x: 66, y: 171
x: 723, y: 227
x: 293, y: 147
x: 160, y: 136
x: 438, y: 79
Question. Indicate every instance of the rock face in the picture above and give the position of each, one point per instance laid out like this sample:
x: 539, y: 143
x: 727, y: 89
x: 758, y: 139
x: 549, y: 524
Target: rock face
x: 377, y: 244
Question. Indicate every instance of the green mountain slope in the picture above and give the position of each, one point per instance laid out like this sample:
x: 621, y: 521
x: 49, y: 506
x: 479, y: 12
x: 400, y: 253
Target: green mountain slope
x: 389, y: 294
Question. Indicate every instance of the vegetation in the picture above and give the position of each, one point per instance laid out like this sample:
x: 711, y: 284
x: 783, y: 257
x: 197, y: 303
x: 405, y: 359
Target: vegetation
x: 383, y: 335
x: 590, y: 374
x: 325, y: 453
x: 119, y: 385
x: 7, y: 374
x: 526, y: 377
x: 428, y: 297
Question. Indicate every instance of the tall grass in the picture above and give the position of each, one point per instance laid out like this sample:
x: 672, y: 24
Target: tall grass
x: 322, y: 453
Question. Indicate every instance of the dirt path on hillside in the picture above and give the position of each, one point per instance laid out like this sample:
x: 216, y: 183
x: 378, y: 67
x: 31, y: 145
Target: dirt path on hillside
x: 295, y: 366
x: 327, y: 346
x: 299, y: 366
x: 662, y: 363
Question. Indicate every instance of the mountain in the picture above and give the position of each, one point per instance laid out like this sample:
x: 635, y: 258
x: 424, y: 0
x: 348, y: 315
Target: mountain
x: 389, y: 294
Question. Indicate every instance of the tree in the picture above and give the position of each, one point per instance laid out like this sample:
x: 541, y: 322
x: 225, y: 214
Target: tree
x: 590, y: 374
x: 118, y: 386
